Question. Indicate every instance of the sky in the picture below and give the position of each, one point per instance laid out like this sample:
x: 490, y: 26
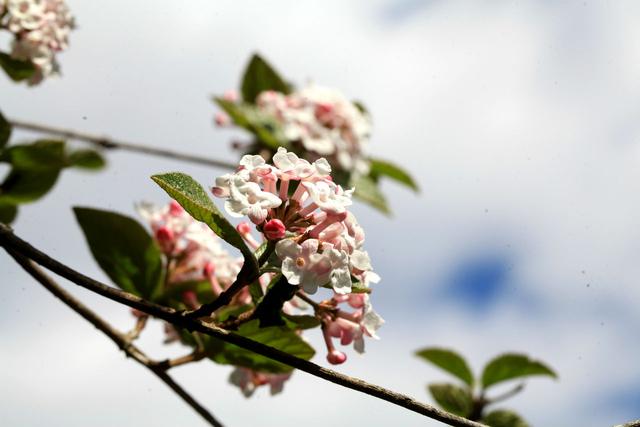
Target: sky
x: 519, y: 121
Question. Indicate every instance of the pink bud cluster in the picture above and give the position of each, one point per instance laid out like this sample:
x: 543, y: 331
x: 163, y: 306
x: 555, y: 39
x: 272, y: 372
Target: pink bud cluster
x: 192, y: 250
x: 318, y: 122
x: 40, y: 28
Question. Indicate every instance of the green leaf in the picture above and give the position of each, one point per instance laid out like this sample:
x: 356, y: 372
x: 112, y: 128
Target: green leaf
x: 367, y: 190
x: 277, y: 337
x: 265, y: 127
x: 259, y: 76
x: 16, y: 69
x: 301, y: 321
x: 172, y: 295
x: 510, y: 366
x: 124, y: 250
x: 24, y: 186
x: 87, y: 159
x: 42, y: 155
x: 5, y: 131
x: 504, y: 418
x: 8, y: 213
x: 192, y: 197
x: 452, y: 398
x: 448, y: 360
x: 384, y: 168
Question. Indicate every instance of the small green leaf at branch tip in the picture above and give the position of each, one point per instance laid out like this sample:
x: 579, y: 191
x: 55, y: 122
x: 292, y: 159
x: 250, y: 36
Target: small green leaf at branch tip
x: 511, y: 366
x: 384, y: 168
x: 258, y: 77
x: 5, y: 131
x: 41, y: 155
x: 193, y: 198
x: 367, y: 190
x: 26, y: 186
x: 16, y: 69
x: 87, y: 159
x: 504, y: 418
x: 8, y: 213
x: 124, y: 250
x: 449, y: 361
x: 452, y: 398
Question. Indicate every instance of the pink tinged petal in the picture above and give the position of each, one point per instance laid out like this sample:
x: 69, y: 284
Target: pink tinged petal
x: 291, y: 272
x: 257, y: 214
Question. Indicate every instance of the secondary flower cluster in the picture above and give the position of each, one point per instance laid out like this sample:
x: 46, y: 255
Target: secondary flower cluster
x: 319, y: 243
x: 41, y: 29
x: 320, y: 122
x: 193, y: 252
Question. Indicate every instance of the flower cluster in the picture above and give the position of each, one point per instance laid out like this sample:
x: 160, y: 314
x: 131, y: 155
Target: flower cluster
x: 40, y: 28
x: 318, y: 242
x: 319, y: 122
x: 193, y: 252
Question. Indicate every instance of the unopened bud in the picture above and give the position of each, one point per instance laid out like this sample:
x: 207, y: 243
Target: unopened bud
x: 336, y: 357
x: 274, y: 229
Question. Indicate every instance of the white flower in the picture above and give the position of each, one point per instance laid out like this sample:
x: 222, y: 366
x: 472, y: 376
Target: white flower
x: 340, y: 274
x: 329, y: 197
x: 303, y: 265
x: 360, y: 260
x: 247, y: 198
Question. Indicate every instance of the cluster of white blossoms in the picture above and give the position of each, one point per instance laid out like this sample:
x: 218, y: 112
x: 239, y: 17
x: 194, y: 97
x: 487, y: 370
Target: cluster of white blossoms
x: 40, y: 28
x: 319, y: 243
x: 193, y: 252
x: 319, y: 122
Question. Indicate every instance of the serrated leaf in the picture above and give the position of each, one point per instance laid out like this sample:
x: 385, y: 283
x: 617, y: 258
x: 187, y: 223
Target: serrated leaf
x: 5, y: 131
x: 367, y: 190
x: 452, y: 398
x: 124, y: 250
x: 8, y: 213
x: 258, y: 77
x: 504, y: 418
x: 388, y: 169
x: 265, y: 128
x: 86, y: 159
x: 192, y: 197
x: 510, y: 366
x: 448, y: 360
x: 41, y: 155
x: 16, y: 69
x: 25, y: 186
x: 277, y: 337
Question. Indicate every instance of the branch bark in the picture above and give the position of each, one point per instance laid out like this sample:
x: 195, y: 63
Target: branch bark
x: 13, y: 243
x: 122, y: 341
x: 113, y: 144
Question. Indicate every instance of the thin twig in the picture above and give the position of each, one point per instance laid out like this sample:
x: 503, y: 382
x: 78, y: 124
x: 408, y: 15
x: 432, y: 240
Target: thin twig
x: 110, y: 143
x: 120, y: 339
x: 182, y: 360
x: 12, y: 242
x: 635, y: 423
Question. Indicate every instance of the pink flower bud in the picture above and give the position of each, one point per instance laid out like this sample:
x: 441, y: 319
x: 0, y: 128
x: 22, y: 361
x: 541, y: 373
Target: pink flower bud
x: 336, y: 357
x: 274, y: 229
x: 175, y: 209
x: 165, y: 238
x: 244, y: 228
x: 231, y: 95
x: 222, y: 119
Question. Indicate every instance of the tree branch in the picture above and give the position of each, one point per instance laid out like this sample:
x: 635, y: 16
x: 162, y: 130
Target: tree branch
x: 12, y: 242
x: 113, y: 144
x: 120, y: 339
x: 635, y: 423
